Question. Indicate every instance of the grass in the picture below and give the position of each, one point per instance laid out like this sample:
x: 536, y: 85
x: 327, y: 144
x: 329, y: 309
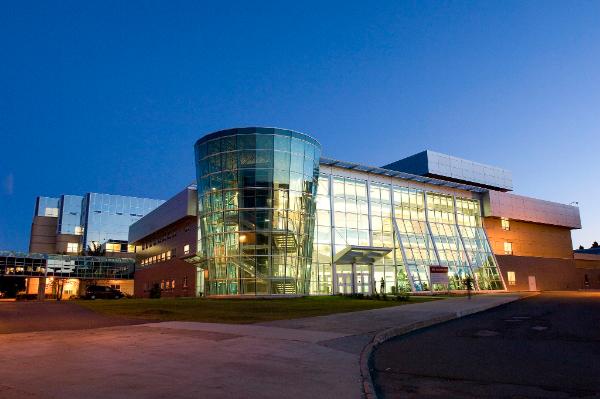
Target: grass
x: 237, y: 311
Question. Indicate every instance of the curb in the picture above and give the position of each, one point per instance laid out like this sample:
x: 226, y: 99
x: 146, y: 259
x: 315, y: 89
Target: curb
x: 368, y: 388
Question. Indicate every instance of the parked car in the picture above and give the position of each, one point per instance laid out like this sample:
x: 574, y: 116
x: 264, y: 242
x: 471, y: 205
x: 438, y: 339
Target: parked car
x: 102, y: 292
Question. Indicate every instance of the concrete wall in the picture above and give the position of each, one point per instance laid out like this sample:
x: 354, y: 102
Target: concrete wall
x: 172, y: 270
x: 530, y: 239
x: 549, y: 273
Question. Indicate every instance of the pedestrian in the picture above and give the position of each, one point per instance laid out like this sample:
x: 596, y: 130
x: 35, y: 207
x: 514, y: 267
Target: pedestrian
x: 469, y: 285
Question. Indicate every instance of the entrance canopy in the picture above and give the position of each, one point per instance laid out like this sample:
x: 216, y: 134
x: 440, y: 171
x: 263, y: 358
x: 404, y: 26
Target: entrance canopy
x: 360, y: 254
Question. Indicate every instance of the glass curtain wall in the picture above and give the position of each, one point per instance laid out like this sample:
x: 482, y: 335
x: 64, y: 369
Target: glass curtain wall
x: 321, y: 276
x: 69, y: 221
x: 107, y: 217
x: 415, y: 238
x: 47, y: 206
x: 432, y: 229
x: 446, y: 239
x: 256, y: 210
x: 483, y: 263
x: 385, y: 270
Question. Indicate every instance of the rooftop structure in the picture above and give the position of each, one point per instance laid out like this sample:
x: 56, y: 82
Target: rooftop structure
x: 447, y: 167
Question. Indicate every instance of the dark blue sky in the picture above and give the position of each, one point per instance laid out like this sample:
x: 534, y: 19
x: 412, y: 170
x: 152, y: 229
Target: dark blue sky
x: 110, y: 96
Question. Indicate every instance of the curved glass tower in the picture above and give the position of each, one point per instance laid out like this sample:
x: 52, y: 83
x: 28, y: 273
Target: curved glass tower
x: 256, y: 210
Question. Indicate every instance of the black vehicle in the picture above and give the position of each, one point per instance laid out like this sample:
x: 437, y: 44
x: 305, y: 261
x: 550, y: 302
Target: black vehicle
x: 102, y: 292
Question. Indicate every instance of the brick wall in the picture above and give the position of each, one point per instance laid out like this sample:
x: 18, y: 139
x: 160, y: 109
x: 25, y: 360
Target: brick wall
x: 549, y: 273
x: 43, y: 235
x: 530, y: 239
x: 174, y: 270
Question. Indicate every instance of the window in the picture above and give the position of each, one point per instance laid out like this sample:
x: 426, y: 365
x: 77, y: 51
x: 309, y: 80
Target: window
x: 112, y: 247
x: 72, y: 247
x: 505, y: 223
x: 511, y: 278
x: 508, y: 250
x: 185, y: 282
x: 186, y: 249
x: 52, y: 212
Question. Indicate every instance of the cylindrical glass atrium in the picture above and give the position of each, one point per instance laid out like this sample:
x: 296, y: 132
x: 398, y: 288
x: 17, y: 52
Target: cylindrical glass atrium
x: 256, y: 210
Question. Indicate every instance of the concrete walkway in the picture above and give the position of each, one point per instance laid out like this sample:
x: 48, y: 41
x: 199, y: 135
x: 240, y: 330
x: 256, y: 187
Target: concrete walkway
x: 304, y: 358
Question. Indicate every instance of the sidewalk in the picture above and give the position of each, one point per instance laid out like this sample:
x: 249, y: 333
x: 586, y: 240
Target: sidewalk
x: 315, y: 357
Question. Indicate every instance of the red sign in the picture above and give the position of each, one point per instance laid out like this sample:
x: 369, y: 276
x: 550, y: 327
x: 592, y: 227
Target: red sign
x: 438, y: 274
x: 438, y: 269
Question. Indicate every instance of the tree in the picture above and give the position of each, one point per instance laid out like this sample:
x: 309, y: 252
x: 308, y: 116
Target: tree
x: 595, y: 244
x: 58, y: 285
x: 94, y: 249
x: 581, y: 247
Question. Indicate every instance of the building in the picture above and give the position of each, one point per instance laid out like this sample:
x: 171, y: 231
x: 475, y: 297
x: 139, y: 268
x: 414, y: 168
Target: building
x: 164, y: 240
x: 531, y: 238
x: 66, y: 276
x: 270, y: 216
x: 72, y: 224
x: 74, y: 242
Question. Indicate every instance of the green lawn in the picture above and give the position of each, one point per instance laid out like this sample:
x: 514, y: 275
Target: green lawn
x: 237, y: 311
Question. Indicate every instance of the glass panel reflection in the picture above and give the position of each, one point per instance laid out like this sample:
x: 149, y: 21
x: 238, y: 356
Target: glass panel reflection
x: 266, y: 179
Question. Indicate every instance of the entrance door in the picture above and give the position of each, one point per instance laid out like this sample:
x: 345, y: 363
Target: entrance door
x: 363, y: 283
x: 532, y: 284
x: 344, y: 283
x: 199, y: 282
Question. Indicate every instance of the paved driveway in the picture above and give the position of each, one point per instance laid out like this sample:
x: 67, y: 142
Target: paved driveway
x: 304, y: 358
x: 547, y: 346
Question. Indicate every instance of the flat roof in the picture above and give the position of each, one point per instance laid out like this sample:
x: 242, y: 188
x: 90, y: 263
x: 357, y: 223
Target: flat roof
x: 182, y: 205
x: 400, y: 175
x: 258, y: 130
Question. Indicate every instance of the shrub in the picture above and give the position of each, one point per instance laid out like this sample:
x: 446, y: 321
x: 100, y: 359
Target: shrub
x: 155, y: 291
x: 402, y: 296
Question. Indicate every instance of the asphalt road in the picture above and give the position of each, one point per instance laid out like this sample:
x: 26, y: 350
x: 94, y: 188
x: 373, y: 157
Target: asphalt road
x: 17, y: 317
x: 547, y: 346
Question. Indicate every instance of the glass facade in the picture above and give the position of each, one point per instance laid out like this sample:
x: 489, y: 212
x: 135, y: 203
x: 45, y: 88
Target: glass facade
x: 107, y: 217
x: 423, y: 227
x: 271, y: 223
x: 46, y: 206
x: 257, y: 191
x: 65, y: 266
x: 69, y: 220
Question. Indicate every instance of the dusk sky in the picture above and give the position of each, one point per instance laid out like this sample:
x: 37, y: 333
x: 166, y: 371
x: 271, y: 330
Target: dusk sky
x: 110, y: 97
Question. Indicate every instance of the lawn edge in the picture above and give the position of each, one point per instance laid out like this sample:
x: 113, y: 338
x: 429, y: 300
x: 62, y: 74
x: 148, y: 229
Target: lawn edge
x: 109, y: 313
x: 367, y: 385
